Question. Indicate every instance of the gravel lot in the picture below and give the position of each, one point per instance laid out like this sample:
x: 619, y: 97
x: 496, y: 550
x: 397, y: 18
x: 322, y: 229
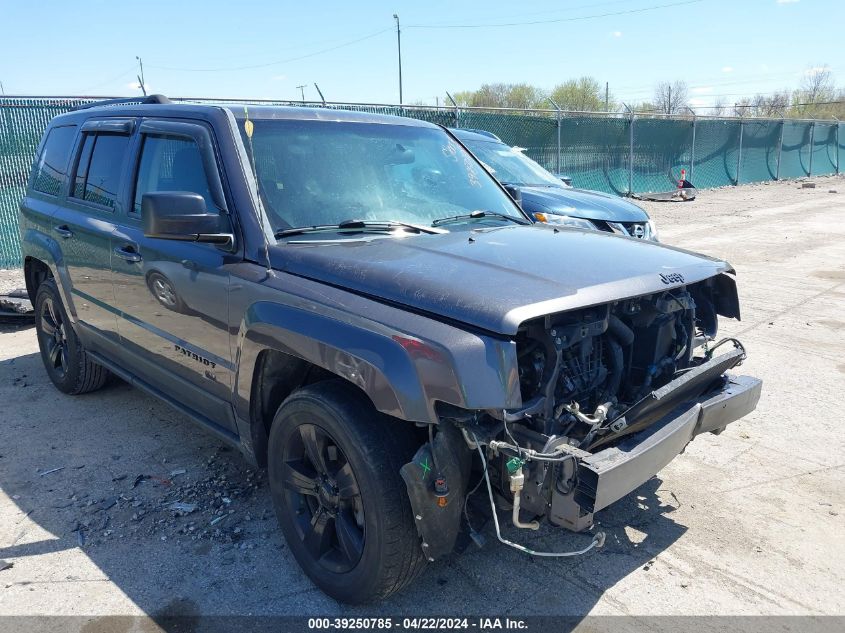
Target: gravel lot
x: 148, y: 515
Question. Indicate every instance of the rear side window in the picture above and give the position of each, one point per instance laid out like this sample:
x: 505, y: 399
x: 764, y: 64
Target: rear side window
x: 52, y: 164
x: 98, y: 171
x: 170, y: 163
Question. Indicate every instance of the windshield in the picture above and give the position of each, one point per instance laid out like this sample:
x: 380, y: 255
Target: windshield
x: 511, y: 166
x: 328, y: 172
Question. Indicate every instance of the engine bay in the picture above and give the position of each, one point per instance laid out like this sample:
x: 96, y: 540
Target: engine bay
x: 590, y: 366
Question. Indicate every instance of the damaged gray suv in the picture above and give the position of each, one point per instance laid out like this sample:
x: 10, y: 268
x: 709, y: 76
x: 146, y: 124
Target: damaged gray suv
x: 354, y: 302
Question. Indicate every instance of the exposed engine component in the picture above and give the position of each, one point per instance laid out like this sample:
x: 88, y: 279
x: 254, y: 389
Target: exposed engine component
x: 590, y: 365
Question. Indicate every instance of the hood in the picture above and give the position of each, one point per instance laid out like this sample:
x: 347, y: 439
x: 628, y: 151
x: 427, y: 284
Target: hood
x: 495, y: 279
x: 581, y: 203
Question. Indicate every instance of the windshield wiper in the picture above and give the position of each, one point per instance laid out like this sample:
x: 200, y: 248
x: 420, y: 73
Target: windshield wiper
x: 479, y: 214
x: 355, y: 226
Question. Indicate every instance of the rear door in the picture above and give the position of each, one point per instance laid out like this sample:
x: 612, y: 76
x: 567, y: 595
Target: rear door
x: 173, y: 296
x: 85, y: 220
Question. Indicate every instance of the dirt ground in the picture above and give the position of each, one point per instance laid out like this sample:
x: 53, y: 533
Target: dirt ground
x: 111, y: 503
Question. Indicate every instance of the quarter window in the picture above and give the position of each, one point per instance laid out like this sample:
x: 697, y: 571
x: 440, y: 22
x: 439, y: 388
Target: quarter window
x: 52, y: 164
x: 100, y: 165
x: 170, y: 163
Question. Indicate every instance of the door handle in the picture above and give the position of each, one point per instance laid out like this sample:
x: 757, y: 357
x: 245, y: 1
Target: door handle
x: 63, y: 230
x: 128, y: 253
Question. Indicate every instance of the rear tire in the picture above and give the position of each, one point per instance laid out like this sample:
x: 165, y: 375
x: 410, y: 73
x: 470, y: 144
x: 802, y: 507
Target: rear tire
x: 347, y: 520
x: 67, y: 364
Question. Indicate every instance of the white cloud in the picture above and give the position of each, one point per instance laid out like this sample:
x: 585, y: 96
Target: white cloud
x: 701, y: 90
x: 134, y: 85
x: 787, y: 1
x: 697, y: 102
x: 617, y: 34
x: 279, y: 77
x: 727, y: 69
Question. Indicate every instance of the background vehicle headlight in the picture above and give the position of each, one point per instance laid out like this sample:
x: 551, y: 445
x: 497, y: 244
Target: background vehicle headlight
x: 567, y: 220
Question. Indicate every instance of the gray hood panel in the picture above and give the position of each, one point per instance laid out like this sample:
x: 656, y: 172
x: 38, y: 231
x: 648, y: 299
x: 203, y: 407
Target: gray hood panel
x: 495, y: 279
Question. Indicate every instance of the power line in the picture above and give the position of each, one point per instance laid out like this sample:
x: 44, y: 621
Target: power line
x: 108, y: 81
x: 555, y: 21
x: 591, y: 5
x: 277, y: 62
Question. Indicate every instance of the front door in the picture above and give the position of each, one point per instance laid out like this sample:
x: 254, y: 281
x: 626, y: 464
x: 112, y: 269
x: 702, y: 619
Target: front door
x: 173, y: 296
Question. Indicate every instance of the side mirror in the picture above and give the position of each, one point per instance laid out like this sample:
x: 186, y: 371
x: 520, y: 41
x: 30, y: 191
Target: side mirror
x: 182, y: 216
x: 515, y: 193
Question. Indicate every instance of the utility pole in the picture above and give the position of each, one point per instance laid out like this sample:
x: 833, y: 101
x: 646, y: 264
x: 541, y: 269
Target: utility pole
x: 141, y: 82
x: 607, y: 96
x: 302, y: 91
x: 320, y: 92
x: 669, y: 101
x: 2, y: 89
x: 399, y: 50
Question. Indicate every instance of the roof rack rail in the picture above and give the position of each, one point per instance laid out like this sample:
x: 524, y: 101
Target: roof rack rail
x: 125, y: 101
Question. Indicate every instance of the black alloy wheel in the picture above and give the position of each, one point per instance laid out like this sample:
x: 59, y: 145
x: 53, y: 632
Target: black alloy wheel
x: 53, y: 337
x: 320, y: 484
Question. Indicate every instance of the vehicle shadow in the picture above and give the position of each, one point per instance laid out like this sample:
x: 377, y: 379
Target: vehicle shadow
x: 114, y: 486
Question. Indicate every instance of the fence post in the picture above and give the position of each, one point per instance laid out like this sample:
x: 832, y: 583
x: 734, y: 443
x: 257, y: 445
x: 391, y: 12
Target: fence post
x: 558, y: 142
x: 739, y: 153
x: 457, y: 110
x: 692, y: 149
x: 557, y: 107
x: 812, y: 143
x: 780, y: 148
x: 630, y: 150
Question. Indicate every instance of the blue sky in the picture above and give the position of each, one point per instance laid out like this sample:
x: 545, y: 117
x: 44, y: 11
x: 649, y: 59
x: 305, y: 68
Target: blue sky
x: 266, y: 49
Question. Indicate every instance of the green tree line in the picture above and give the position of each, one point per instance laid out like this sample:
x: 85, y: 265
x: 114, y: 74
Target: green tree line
x: 816, y: 96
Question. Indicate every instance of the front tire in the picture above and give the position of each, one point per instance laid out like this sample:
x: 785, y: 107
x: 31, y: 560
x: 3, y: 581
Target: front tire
x: 333, y: 466
x: 66, y: 362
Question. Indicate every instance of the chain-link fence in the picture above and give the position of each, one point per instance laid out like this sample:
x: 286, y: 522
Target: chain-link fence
x: 610, y: 152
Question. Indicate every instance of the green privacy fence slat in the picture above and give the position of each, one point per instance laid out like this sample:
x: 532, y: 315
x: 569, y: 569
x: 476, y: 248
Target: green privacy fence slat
x: 795, y: 155
x: 840, y: 134
x: 595, y: 152
x: 662, y: 148
x: 760, y: 140
x: 824, y: 148
x: 716, y: 153
x: 593, y: 149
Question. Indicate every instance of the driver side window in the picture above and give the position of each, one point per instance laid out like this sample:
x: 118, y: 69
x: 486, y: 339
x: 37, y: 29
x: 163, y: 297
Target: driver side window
x: 171, y: 163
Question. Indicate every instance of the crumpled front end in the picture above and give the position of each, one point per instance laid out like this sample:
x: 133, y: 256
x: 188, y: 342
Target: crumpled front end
x: 614, y: 392
x: 611, y: 394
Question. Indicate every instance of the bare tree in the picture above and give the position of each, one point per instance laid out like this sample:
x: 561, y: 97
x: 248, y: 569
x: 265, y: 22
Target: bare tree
x: 771, y: 106
x: 719, y: 107
x: 817, y: 85
x: 670, y: 97
x: 815, y: 94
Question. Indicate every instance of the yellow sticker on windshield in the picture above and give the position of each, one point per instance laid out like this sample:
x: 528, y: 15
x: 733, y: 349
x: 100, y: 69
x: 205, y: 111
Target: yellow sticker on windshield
x: 248, y: 128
